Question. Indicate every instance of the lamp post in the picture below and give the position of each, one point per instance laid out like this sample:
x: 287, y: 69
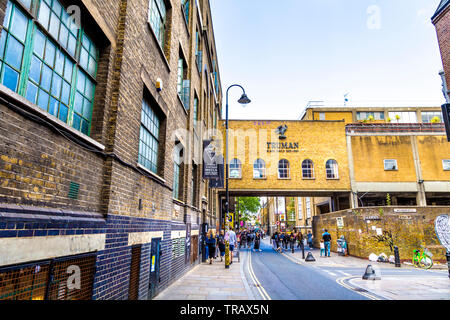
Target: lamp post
x: 244, y: 100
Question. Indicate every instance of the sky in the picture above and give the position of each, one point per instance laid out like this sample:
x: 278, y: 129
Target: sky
x: 286, y: 53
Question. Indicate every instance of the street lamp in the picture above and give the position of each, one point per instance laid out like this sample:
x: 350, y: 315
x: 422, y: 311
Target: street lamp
x: 244, y: 100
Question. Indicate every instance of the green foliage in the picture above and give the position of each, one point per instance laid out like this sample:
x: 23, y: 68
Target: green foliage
x: 381, y: 212
x: 247, y: 206
x: 388, y: 199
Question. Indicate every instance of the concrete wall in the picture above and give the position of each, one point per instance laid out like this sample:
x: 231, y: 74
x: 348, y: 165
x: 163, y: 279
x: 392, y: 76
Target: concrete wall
x: 408, y: 230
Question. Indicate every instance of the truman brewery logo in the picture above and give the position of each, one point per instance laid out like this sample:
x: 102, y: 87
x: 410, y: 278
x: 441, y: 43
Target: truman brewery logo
x: 281, y: 130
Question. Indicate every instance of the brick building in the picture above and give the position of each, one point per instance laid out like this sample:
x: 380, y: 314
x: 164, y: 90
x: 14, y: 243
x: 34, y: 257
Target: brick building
x: 441, y: 20
x: 103, y: 109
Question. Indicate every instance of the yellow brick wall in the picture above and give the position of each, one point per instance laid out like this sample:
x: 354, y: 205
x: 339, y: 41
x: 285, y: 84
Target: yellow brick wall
x: 336, y: 115
x: 432, y: 150
x: 370, y: 151
x: 318, y: 141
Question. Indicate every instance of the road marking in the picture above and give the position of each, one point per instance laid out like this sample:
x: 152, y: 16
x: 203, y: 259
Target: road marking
x: 344, y: 273
x: 341, y: 282
x: 257, y: 284
x: 329, y: 272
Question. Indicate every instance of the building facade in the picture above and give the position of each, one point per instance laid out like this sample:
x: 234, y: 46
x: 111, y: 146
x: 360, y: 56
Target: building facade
x: 441, y: 21
x: 103, y: 109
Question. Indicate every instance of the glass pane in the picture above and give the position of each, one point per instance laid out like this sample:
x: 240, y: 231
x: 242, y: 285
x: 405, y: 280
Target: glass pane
x: 81, y: 82
x: 87, y: 109
x: 43, y: 100
x: 84, y: 58
x: 50, y: 51
x: 31, y: 92
x: 78, y: 104
x: 68, y: 69
x: 63, y: 111
x: 44, y: 15
x: 7, y: 15
x: 85, y: 127
x: 65, y: 96
x: 19, y: 25
x: 53, y: 108
x: 54, y: 26
x: 10, y: 78
x: 14, y: 53
x: 59, y: 63
x: 2, y: 43
x: 72, y: 45
x: 39, y: 44
x: 63, y: 36
x: 46, y: 78
x: 92, y: 66
x: 26, y: 3
x: 56, y: 85
x: 76, y: 121
x: 57, y: 7
x: 35, y: 69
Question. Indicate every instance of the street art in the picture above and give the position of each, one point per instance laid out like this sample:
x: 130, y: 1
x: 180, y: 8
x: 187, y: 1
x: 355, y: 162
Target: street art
x: 442, y: 227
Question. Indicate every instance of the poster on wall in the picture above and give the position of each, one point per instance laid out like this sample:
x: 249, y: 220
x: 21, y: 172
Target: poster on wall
x: 442, y: 228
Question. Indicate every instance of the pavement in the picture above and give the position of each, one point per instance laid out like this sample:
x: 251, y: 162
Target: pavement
x: 210, y: 282
x: 214, y: 282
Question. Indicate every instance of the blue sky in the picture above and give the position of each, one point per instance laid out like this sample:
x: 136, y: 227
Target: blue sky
x: 288, y: 52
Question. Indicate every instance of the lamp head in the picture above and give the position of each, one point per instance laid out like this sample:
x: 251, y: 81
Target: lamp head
x: 244, y: 100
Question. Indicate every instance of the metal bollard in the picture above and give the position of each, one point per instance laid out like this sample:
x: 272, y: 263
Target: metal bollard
x: 397, y: 257
x: 303, y: 250
x: 227, y: 255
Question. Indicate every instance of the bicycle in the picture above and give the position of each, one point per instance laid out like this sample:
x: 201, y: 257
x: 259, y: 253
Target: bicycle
x: 422, y: 259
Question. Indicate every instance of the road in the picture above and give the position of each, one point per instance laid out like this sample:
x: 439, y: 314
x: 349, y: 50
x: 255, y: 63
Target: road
x: 278, y: 276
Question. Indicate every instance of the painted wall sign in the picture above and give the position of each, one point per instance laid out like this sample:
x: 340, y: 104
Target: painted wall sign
x: 405, y: 210
x: 340, y: 222
x: 403, y: 217
x: 283, y: 147
x: 442, y: 228
x: 372, y: 218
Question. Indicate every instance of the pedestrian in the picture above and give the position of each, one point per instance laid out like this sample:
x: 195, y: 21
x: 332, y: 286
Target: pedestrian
x: 221, y: 242
x: 310, y: 240
x: 322, y: 247
x: 256, y: 246
x: 249, y: 239
x: 211, y: 241
x: 326, y: 237
x: 232, y: 241
x: 300, y: 239
x: 243, y: 239
x: 292, y: 241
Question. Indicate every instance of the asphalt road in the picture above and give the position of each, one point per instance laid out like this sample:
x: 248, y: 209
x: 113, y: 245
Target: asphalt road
x: 283, y: 279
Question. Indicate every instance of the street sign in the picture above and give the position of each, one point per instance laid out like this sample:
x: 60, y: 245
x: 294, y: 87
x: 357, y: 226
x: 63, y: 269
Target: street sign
x: 446, y: 114
x: 278, y: 223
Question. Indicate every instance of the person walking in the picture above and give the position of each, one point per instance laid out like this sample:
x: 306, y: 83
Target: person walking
x: 221, y: 242
x: 249, y: 240
x: 299, y: 239
x: 292, y: 241
x: 310, y: 240
x: 322, y: 247
x: 232, y: 240
x: 256, y: 245
x: 211, y: 241
x: 326, y: 237
x: 243, y: 239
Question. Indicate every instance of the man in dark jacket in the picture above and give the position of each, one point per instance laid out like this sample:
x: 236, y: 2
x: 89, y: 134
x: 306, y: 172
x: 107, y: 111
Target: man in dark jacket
x: 327, y: 242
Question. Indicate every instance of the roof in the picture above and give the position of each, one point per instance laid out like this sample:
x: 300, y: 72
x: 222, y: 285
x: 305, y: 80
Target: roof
x: 444, y: 4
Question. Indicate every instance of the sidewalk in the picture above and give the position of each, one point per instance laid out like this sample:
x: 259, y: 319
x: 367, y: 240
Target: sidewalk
x: 210, y: 282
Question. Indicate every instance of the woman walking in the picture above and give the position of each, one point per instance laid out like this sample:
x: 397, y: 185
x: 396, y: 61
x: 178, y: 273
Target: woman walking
x: 211, y: 242
x: 221, y: 242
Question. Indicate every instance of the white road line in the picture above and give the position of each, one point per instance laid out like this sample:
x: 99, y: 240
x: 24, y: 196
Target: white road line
x: 329, y: 272
x: 344, y: 273
x: 258, y: 285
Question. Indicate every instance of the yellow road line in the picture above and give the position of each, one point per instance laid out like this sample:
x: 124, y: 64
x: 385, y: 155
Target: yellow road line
x: 258, y: 285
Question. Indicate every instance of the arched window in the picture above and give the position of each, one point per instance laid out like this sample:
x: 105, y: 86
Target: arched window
x: 235, y: 169
x: 332, y: 169
x: 259, y: 169
x: 283, y: 169
x: 307, y: 169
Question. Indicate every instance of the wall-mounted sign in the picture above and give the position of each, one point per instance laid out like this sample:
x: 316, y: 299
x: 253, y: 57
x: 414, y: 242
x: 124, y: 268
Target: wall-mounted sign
x: 404, y: 217
x: 212, y: 160
x: 340, y: 222
x: 372, y: 218
x: 283, y: 147
x: 281, y: 130
x: 405, y: 210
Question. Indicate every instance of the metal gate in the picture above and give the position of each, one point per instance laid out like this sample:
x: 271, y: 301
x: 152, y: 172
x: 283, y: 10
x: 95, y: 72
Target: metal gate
x: 135, y: 269
x: 155, y: 259
x: 67, y: 278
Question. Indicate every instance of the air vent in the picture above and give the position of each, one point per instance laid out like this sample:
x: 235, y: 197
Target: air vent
x: 73, y: 190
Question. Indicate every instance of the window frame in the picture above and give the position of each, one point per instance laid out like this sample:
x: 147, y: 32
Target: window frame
x: 262, y: 166
x: 143, y: 126
x: 395, y: 167
x: 25, y: 82
x: 448, y: 165
x: 285, y: 169
x: 312, y: 170
x: 238, y: 163
x: 334, y: 165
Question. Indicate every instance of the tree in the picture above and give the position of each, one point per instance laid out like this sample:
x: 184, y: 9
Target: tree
x: 247, y: 207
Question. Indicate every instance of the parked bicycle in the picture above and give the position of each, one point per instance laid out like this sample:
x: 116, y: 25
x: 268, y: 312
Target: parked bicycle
x: 422, y: 259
